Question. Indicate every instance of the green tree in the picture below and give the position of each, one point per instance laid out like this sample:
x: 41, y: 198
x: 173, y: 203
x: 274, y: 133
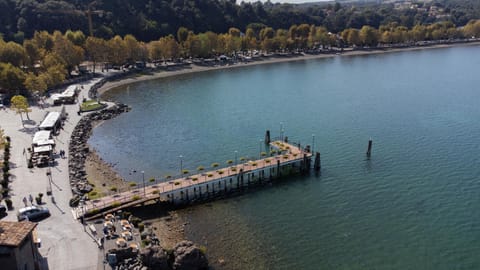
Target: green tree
x: 20, y: 105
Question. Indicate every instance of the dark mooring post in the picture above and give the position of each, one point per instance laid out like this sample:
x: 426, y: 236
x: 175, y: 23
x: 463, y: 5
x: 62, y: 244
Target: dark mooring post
x: 317, y: 164
x: 267, y: 137
x: 369, y: 150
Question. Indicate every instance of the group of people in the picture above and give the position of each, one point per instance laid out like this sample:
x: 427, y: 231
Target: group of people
x: 62, y: 153
x: 30, y: 198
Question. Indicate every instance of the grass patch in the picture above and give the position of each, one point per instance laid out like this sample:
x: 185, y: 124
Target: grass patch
x: 91, y: 105
x: 94, y: 194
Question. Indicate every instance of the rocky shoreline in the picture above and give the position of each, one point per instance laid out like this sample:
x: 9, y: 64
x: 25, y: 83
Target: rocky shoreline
x: 78, y: 149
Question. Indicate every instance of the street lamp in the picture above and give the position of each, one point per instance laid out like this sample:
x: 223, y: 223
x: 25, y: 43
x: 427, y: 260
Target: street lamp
x: 281, y: 130
x: 143, y: 179
x: 235, y: 157
x: 260, y: 152
x: 313, y: 143
x: 181, y: 164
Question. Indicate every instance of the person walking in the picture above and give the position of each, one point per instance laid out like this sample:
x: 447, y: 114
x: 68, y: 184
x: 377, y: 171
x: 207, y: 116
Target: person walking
x: 25, y: 201
x: 30, y: 198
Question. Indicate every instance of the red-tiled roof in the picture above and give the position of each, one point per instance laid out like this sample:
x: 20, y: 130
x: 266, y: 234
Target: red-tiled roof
x: 13, y: 233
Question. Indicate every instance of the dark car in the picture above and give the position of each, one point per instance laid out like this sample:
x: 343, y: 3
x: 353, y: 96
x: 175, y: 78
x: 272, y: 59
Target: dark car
x: 33, y: 213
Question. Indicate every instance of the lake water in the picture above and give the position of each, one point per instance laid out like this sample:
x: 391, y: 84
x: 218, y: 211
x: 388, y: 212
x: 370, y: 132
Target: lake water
x: 413, y: 205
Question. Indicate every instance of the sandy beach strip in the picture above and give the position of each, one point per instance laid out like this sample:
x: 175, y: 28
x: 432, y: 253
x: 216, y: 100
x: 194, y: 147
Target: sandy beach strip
x: 265, y: 61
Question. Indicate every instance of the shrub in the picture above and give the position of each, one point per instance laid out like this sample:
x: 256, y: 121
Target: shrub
x: 151, y: 180
x: 214, y: 165
x: 209, y: 175
x: 194, y: 178
x: 177, y: 183
x: 132, y: 184
x: 156, y: 191
x: 267, y: 160
x: 254, y: 164
x: 220, y: 172
x: 135, y: 220
x: 145, y: 242
x: 113, y: 188
x: 92, y: 212
x: 285, y: 156
x: 200, y: 168
x: 141, y: 226
x: 229, y: 161
x: 233, y: 169
x: 136, y: 198
x: 115, y: 204
x: 185, y: 171
x: 263, y: 154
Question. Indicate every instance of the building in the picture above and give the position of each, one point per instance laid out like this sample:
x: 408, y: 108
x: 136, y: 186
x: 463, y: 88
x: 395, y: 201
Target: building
x: 18, y: 248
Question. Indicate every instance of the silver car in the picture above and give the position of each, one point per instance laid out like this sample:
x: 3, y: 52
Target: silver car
x: 32, y: 213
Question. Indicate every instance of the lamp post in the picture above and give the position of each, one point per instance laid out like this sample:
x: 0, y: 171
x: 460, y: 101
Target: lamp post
x: 313, y: 143
x: 235, y: 157
x: 143, y: 179
x: 281, y: 130
x: 181, y: 164
x: 260, y: 152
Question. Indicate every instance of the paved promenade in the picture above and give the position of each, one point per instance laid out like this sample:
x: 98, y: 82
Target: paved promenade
x: 64, y: 244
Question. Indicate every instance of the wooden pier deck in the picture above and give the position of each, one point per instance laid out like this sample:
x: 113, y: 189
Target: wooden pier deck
x: 221, y: 179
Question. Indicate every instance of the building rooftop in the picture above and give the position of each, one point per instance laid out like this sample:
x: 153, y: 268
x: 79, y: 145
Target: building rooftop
x: 13, y: 233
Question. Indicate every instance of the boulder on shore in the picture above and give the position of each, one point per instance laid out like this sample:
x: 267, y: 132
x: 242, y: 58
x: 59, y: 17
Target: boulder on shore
x: 155, y: 257
x: 189, y: 257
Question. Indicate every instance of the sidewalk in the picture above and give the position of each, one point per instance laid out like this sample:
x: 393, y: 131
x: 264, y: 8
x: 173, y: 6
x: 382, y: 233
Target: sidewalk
x: 64, y: 244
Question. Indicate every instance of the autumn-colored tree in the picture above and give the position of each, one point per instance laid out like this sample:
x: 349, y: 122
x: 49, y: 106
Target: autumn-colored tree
x: 71, y: 54
x: 11, y: 78
x: 20, y: 105
x: 35, y: 83
x: 96, y: 49
x: 13, y: 53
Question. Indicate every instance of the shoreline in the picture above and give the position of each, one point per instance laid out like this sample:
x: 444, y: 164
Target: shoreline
x: 192, y: 68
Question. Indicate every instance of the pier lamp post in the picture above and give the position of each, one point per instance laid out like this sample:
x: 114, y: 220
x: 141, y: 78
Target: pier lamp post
x: 235, y: 157
x: 143, y: 179
x: 313, y: 143
x: 260, y: 152
x: 281, y: 130
x: 181, y: 164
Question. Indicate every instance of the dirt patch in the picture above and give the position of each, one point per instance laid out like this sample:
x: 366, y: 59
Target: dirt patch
x: 101, y: 174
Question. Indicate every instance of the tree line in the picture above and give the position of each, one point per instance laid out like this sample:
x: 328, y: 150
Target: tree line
x: 47, y: 59
x: 149, y: 20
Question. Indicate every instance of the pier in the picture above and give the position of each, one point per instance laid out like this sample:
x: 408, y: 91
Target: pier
x: 288, y: 158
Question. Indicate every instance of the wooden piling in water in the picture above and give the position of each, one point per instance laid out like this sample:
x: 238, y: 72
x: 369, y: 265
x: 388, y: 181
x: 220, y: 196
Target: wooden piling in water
x: 267, y: 137
x: 317, y: 164
x: 369, y: 149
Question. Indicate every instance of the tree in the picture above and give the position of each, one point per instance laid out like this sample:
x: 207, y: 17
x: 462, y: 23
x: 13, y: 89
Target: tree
x: 35, y: 83
x: 20, y: 105
x: 96, y: 49
x: 69, y: 52
x: 11, y: 78
x: 369, y: 36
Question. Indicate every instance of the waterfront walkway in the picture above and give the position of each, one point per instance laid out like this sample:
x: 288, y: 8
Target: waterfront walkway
x: 287, y: 154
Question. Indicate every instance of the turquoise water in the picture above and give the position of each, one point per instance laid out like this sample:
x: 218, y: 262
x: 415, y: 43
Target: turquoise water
x: 414, y: 205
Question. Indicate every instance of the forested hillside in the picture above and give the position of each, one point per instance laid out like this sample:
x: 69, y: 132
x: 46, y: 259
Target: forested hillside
x: 150, y: 19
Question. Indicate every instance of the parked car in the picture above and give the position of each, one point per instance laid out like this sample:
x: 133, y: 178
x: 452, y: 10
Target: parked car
x: 33, y: 213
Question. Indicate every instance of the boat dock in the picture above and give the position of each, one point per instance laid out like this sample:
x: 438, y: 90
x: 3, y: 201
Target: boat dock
x: 287, y: 158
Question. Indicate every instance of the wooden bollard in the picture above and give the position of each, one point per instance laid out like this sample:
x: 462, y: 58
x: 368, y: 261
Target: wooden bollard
x: 317, y: 164
x: 369, y: 149
x: 267, y: 137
